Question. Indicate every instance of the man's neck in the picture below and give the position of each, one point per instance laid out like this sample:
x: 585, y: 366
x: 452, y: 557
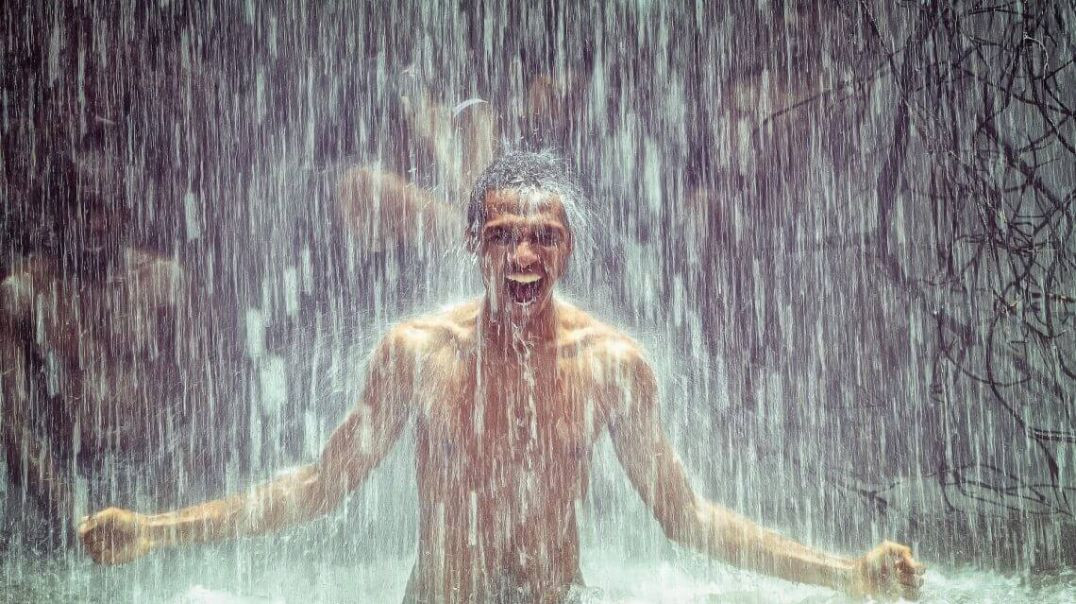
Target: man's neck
x: 500, y: 332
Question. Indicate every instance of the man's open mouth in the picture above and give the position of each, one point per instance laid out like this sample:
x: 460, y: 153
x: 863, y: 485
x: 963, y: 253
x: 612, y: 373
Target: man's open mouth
x: 524, y: 287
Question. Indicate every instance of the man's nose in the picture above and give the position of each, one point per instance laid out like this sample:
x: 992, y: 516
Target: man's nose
x: 523, y: 254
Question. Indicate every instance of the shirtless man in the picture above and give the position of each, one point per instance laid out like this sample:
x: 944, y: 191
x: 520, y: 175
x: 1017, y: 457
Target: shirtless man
x: 509, y: 393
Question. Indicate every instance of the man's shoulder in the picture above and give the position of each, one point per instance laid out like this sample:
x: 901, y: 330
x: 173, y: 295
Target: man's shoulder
x: 449, y: 325
x: 582, y: 332
x: 607, y: 354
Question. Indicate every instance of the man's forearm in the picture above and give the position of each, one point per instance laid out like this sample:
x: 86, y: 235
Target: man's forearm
x: 288, y: 500
x: 733, y: 538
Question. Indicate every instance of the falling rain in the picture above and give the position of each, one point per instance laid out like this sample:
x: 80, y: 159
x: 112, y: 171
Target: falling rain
x: 477, y: 301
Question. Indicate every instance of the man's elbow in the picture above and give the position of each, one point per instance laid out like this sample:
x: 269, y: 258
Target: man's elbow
x: 682, y: 524
x: 322, y: 491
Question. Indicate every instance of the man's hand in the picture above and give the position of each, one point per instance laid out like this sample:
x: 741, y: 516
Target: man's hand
x: 115, y: 536
x: 889, y: 572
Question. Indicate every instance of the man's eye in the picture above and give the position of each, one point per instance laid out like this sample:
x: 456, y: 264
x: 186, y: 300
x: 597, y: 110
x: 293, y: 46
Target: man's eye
x: 547, y: 237
x: 498, y: 237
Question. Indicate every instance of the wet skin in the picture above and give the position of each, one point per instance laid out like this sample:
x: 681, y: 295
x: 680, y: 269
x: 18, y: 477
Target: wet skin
x: 509, y: 394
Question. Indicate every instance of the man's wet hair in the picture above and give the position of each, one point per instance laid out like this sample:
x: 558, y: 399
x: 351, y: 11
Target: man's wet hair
x: 527, y: 171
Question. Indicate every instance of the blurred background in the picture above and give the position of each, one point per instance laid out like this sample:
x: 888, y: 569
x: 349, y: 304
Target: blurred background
x: 842, y: 230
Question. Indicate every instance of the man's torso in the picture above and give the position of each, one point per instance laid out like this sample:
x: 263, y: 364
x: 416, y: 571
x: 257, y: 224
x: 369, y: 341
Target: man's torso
x: 505, y: 435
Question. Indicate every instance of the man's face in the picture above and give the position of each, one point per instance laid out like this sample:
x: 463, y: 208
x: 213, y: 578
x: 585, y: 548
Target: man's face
x: 523, y: 248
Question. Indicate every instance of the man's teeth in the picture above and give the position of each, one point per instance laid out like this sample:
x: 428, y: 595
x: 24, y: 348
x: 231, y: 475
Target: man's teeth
x: 524, y: 278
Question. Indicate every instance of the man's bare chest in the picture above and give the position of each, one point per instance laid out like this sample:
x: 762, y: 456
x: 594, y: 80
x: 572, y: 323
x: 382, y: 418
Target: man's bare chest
x: 492, y: 423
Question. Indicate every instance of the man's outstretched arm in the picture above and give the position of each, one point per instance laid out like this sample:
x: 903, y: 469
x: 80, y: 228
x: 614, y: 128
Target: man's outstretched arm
x: 115, y: 536
x: 654, y: 469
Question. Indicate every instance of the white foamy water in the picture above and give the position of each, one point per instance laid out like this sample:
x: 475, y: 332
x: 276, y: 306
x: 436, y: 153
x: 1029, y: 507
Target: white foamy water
x: 213, y: 576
